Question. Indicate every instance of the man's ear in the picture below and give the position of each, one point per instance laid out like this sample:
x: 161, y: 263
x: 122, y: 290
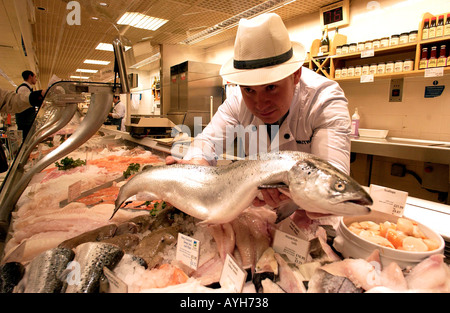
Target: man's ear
x: 297, y: 75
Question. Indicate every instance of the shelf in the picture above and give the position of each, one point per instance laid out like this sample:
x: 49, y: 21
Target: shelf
x: 383, y: 51
x: 434, y: 40
x: 415, y: 73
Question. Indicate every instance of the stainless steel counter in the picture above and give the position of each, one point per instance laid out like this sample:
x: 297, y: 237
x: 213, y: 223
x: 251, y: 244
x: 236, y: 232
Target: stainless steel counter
x: 404, y: 148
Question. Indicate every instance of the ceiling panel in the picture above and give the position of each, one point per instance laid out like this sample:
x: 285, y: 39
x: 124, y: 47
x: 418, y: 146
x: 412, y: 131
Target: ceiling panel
x: 61, y: 48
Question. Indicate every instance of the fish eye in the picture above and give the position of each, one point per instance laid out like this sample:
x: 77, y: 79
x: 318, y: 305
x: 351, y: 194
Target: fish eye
x: 339, y: 186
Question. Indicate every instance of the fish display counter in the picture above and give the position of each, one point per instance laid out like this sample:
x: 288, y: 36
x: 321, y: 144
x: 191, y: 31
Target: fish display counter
x: 64, y: 237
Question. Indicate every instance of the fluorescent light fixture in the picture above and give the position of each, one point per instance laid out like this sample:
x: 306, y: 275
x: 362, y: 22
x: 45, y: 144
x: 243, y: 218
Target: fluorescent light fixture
x: 264, y: 7
x: 82, y: 70
x: 140, y: 20
x: 98, y: 62
x: 108, y: 47
x: 146, y: 61
x: 79, y: 77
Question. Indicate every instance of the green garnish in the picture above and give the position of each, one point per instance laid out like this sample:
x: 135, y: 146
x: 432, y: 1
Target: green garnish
x: 133, y: 168
x: 68, y: 163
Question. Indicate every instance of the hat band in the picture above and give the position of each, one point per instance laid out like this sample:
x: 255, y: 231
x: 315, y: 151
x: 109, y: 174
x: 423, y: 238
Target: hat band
x: 258, y: 63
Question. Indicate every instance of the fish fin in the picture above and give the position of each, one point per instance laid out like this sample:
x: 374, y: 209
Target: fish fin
x: 285, y: 210
x: 270, y: 186
x: 115, y: 211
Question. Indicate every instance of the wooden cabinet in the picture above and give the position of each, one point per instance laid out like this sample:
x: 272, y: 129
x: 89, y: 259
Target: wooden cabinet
x: 327, y: 65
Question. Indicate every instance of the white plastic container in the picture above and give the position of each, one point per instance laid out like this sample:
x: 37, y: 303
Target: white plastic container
x: 373, y: 133
x: 351, y: 245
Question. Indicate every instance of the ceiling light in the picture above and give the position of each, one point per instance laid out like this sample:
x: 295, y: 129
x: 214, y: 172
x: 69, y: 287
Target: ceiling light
x: 81, y: 70
x: 103, y: 4
x: 108, y: 47
x: 98, y: 62
x: 146, y: 61
x: 79, y: 77
x: 264, y: 7
x: 140, y: 20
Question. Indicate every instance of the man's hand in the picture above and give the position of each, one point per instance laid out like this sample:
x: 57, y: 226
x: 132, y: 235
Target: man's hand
x: 271, y: 197
x: 171, y: 160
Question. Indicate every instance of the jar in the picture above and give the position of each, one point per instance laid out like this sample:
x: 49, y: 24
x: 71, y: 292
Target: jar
x: 373, y: 69
x: 344, y: 49
x: 412, y: 36
x: 408, y: 65
x: 344, y: 72
x: 389, y: 67
x: 381, y: 68
x: 351, y: 71
x: 360, y: 46
x: 376, y: 43
x: 404, y: 38
x: 337, y: 73
x: 365, y: 69
x: 352, y: 48
x: 394, y: 40
x: 384, y: 42
x: 398, y: 66
x: 358, y: 70
x: 338, y: 50
x: 368, y: 45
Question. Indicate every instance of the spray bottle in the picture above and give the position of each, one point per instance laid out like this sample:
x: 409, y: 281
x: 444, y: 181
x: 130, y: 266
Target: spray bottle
x: 355, y: 124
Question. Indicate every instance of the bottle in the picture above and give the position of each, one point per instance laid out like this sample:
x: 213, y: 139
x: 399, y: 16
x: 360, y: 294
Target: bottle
x: 432, y: 31
x: 447, y: 26
x: 324, y: 42
x: 355, y: 124
x: 426, y: 28
x: 442, y: 60
x: 423, y: 63
x: 432, y: 61
x: 440, y: 26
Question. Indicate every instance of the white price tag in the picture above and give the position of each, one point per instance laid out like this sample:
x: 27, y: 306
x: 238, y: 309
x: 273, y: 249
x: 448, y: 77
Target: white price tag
x: 288, y: 226
x: 434, y: 72
x: 367, y: 53
x: 388, y: 200
x: 296, y: 249
x: 188, y: 250
x: 74, y: 191
x: 233, y: 276
x: 366, y: 78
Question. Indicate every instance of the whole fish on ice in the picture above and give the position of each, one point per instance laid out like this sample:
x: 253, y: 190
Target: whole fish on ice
x: 220, y: 194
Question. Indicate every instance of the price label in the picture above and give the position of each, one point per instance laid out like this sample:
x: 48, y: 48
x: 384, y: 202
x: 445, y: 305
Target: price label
x: 233, y: 277
x: 388, y: 200
x: 74, y: 191
x: 367, y: 53
x: 296, y: 249
x: 288, y: 226
x: 188, y: 250
x: 366, y: 78
x: 434, y: 72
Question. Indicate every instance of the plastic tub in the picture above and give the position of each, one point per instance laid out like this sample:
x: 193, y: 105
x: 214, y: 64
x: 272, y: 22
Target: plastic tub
x: 374, y: 133
x: 351, y: 245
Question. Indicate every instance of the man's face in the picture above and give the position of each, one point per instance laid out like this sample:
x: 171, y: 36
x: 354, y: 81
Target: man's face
x: 33, y: 79
x: 272, y: 101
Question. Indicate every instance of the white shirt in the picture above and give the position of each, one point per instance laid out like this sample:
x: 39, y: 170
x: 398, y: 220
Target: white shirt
x: 24, y: 90
x: 119, y: 112
x: 318, y: 122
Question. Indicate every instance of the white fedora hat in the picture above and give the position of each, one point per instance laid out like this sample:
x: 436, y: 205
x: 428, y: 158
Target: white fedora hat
x: 263, y: 52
